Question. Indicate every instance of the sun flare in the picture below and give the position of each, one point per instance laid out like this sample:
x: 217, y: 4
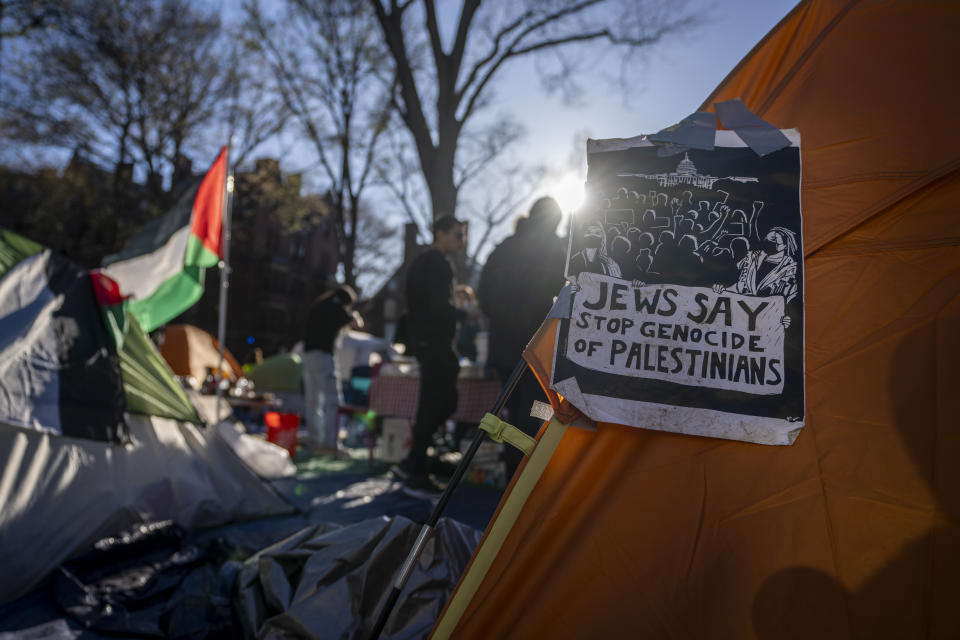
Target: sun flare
x: 568, y: 192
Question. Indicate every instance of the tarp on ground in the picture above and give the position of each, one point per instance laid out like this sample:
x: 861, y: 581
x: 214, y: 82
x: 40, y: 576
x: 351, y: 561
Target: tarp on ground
x: 854, y: 530
x: 58, y: 495
x: 191, y: 351
x: 331, y: 582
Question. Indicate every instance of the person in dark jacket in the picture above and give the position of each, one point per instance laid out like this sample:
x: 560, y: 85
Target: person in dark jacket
x: 516, y: 291
x: 328, y: 315
x: 431, y: 327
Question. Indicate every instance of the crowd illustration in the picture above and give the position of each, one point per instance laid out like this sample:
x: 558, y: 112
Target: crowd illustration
x: 658, y: 238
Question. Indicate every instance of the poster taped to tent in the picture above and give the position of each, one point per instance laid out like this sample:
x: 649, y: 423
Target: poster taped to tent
x: 687, y: 312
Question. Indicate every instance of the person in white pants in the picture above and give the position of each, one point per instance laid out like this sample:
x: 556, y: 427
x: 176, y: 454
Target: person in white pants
x: 328, y: 315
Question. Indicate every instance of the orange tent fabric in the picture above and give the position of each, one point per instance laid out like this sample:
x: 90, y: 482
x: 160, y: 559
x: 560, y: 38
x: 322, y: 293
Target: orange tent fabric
x: 190, y: 350
x: 854, y: 530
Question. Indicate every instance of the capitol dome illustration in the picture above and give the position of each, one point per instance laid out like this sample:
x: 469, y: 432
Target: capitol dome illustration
x: 685, y: 174
x: 686, y: 166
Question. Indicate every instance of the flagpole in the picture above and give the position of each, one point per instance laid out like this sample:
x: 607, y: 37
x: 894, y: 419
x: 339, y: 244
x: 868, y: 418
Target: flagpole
x: 224, y: 276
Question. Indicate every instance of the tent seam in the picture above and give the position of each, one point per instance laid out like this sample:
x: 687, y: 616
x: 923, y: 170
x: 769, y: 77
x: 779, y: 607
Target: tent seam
x: 886, y: 247
x: 883, y: 205
x: 865, y: 177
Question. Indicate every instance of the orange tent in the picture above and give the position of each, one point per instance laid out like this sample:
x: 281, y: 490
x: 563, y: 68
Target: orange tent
x: 854, y: 530
x: 190, y: 351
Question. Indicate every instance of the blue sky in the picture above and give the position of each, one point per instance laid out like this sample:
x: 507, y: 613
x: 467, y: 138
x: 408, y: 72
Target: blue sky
x: 672, y: 82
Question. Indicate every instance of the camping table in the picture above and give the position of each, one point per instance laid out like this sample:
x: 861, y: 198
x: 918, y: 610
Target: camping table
x: 396, y: 396
x: 261, y: 401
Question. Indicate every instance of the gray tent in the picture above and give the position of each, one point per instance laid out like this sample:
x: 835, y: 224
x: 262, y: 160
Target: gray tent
x: 96, y: 432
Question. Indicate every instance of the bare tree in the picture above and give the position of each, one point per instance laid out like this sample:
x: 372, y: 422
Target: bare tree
x: 128, y: 82
x: 19, y: 17
x: 376, y: 237
x: 398, y: 173
x: 499, y: 199
x: 133, y: 86
x: 437, y: 101
x: 252, y: 112
x: 329, y: 70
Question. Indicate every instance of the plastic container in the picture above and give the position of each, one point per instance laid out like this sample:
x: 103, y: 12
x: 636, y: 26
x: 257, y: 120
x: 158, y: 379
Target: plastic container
x: 282, y: 429
x: 395, y: 441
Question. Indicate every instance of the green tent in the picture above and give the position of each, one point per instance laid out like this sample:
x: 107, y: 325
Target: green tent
x: 281, y: 372
x: 148, y: 384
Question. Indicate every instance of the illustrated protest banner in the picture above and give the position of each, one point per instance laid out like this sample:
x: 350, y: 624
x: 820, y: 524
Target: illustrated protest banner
x: 687, y: 311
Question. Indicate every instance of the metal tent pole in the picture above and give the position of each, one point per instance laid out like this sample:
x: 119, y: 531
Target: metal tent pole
x: 407, y: 568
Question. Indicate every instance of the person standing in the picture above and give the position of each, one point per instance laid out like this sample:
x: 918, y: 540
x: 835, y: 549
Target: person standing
x: 431, y: 327
x: 328, y: 315
x: 516, y: 291
x: 469, y: 325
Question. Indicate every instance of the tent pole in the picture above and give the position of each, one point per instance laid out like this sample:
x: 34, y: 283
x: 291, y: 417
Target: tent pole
x: 407, y: 568
x: 224, y: 279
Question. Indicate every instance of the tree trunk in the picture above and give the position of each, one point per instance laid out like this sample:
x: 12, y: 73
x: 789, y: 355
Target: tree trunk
x: 440, y: 176
x: 443, y: 191
x: 349, y: 277
x: 350, y: 244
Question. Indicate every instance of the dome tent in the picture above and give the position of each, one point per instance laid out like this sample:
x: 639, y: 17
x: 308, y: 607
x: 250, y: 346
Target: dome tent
x: 280, y: 372
x: 852, y: 531
x: 191, y: 351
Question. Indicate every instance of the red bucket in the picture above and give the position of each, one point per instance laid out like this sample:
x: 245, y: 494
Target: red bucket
x: 282, y: 429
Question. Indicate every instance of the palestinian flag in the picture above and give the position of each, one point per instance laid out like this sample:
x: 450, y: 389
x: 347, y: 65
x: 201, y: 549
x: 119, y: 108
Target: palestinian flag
x: 59, y: 367
x: 161, y: 269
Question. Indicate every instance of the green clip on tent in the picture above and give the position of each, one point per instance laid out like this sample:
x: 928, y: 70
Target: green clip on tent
x: 854, y: 530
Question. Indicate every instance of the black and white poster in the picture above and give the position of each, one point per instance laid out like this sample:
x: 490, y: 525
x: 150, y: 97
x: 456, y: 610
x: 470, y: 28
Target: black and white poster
x: 687, y: 307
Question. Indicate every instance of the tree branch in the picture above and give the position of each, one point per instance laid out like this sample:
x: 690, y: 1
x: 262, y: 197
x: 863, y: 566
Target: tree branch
x: 511, y: 50
x: 412, y: 112
x: 494, y: 50
x: 463, y: 30
x: 433, y: 30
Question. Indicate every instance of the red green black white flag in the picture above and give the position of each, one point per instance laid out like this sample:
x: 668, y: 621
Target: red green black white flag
x: 160, y: 271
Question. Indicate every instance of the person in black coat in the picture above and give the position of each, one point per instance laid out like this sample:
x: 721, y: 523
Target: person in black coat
x: 517, y: 286
x: 431, y: 327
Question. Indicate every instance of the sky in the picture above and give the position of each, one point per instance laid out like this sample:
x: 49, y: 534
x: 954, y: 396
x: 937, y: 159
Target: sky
x: 673, y: 81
